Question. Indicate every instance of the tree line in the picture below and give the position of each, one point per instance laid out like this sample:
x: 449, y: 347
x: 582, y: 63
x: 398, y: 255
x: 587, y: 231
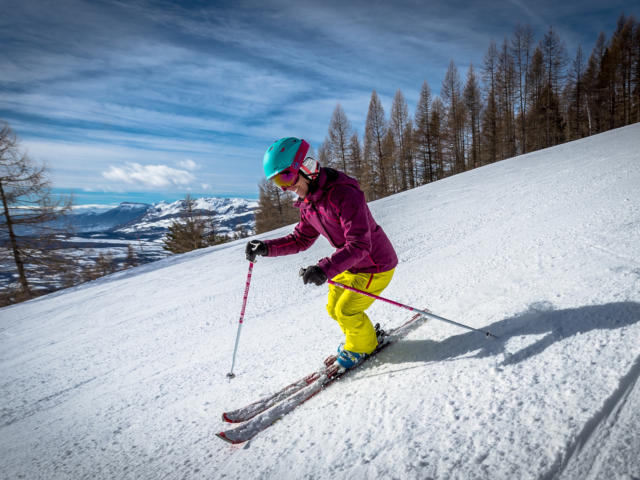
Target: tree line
x: 524, y: 97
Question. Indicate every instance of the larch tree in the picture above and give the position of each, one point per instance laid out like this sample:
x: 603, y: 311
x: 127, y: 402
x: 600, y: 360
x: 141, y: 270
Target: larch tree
x: 32, y: 221
x: 337, y: 143
x: 554, y: 57
x: 576, y: 104
x: 375, y: 132
x: 438, y: 115
x: 473, y: 103
x: 506, y: 89
x: 275, y: 208
x: 423, y: 136
x: 490, y: 115
x: 452, y: 97
x: 521, y: 45
x: 399, y: 121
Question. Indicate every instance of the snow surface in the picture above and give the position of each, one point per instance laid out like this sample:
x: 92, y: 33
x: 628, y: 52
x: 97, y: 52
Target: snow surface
x: 125, y: 377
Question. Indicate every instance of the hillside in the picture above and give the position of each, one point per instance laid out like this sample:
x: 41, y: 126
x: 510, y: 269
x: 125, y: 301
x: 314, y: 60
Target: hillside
x: 124, y: 377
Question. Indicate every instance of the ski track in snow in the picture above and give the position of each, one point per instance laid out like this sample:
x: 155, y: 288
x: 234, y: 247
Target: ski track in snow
x: 124, y: 377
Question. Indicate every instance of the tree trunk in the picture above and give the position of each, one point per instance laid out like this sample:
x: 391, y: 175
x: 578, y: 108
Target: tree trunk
x: 14, y: 245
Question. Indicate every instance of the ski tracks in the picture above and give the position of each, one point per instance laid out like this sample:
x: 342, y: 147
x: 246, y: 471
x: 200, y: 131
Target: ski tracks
x: 601, y: 436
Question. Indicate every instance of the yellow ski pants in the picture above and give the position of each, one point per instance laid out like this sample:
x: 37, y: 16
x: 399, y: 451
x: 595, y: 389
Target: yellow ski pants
x: 347, y: 307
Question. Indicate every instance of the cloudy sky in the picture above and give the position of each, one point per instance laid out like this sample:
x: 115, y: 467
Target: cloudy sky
x: 160, y: 96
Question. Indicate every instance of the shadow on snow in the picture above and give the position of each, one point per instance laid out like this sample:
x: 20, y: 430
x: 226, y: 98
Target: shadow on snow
x: 539, y: 319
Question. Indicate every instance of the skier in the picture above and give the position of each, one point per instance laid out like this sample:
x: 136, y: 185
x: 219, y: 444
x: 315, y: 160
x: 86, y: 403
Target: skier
x: 332, y: 204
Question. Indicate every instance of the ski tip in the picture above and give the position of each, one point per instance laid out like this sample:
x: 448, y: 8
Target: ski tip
x: 226, y: 418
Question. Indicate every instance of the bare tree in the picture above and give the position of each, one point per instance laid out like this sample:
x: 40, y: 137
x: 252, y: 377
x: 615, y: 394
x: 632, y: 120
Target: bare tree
x: 490, y: 116
x: 456, y: 114
x: 399, y: 122
x: 423, y: 135
x: 275, y: 208
x: 521, y: 45
x: 437, y: 121
x: 31, y: 223
x: 576, y: 117
x: 555, y: 60
x: 374, y: 149
x: 473, y: 103
x: 355, y: 162
x: 337, y: 142
x: 506, y: 88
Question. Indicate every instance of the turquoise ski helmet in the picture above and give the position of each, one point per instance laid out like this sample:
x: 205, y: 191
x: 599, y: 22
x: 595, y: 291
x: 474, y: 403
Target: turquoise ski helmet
x: 285, y: 153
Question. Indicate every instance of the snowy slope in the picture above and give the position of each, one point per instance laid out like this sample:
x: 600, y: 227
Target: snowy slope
x: 125, y: 377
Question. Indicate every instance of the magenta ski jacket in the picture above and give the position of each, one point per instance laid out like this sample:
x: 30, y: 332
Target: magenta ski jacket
x: 336, y: 208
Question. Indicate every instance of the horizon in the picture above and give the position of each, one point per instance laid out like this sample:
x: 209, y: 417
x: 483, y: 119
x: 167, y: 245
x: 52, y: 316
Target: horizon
x: 83, y: 199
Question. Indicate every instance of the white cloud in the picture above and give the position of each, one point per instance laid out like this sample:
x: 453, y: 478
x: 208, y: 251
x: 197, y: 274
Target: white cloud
x: 188, y: 164
x: 149, y: 175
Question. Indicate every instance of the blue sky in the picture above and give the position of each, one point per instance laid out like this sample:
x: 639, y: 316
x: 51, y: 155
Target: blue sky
x: 176, y: 97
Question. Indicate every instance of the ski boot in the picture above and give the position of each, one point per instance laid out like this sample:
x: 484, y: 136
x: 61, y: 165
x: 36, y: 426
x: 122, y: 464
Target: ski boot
x: 347, y: 359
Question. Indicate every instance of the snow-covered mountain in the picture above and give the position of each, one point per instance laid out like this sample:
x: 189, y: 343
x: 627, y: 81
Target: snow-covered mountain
x: 152, y: 220
x: 125, y: 377
x: 104, y: 221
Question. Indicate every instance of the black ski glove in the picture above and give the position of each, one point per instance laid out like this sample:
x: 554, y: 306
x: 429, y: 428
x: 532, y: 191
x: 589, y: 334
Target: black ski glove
x: 255, y: 248
x: 313, y: 274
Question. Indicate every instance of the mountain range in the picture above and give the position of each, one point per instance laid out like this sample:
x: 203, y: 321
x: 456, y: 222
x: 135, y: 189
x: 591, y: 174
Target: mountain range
x: 151, y: 221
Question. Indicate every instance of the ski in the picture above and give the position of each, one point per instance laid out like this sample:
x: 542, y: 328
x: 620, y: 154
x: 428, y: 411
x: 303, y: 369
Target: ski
x: 247, y: 413
x: 263, y: 413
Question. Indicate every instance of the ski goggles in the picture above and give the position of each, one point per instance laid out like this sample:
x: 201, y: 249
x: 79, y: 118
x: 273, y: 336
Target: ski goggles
x: 286, y: 178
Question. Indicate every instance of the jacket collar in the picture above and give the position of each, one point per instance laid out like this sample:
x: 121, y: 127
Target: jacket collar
x: 316, y: 189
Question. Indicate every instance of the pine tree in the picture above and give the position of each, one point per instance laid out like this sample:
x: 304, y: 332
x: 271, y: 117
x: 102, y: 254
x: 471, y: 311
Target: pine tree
x: 191, y: 231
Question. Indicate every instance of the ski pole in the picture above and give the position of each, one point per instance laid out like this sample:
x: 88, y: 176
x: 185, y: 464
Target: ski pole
x: 231, y: 375
x: 421, y: 312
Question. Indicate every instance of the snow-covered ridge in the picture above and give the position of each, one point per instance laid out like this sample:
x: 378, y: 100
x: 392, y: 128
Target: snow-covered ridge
x: 125, y: 377
x: 143, y: 219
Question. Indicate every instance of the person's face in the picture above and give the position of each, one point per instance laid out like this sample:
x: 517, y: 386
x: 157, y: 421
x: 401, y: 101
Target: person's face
x: 300, y: 188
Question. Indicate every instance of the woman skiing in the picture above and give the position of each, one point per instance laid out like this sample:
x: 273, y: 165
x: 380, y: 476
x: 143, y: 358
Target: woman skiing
x: 331, y: 204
